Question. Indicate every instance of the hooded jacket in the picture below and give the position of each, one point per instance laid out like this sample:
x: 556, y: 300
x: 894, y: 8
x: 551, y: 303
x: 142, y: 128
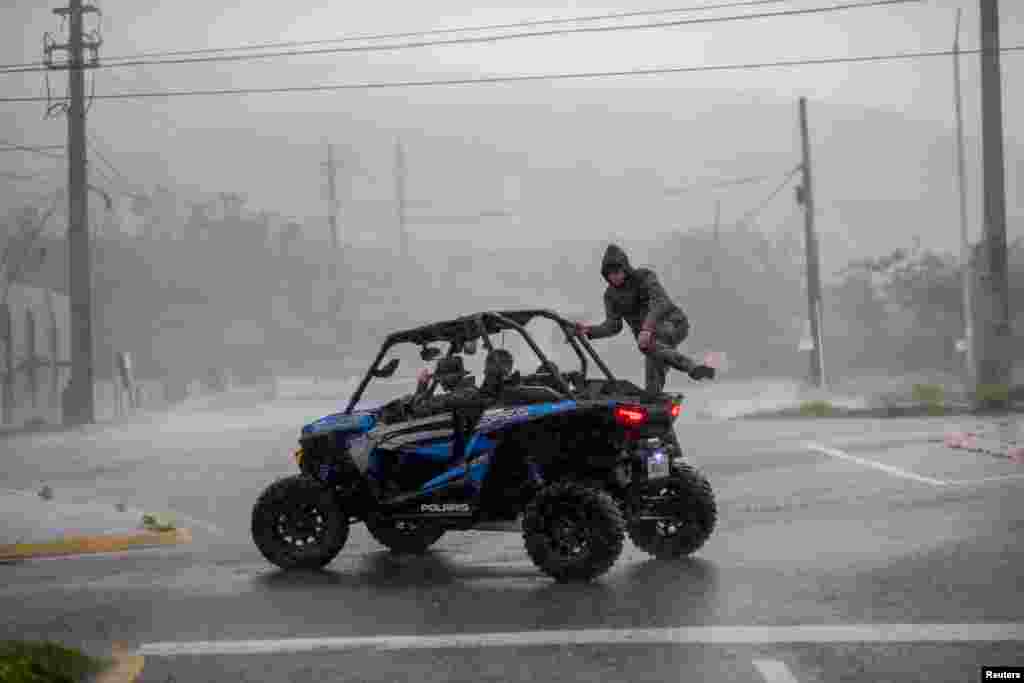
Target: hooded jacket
x: 641, y: 300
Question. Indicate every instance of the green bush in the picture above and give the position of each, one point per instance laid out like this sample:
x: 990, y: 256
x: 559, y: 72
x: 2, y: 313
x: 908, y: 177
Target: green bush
x: 25, y: 662
x: 932, y: 394
x: 158, y: 523
x: 993, y: 395
x: 816, y: 409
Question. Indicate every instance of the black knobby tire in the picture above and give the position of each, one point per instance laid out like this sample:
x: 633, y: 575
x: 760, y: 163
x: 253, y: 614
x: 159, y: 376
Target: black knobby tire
x: 591, y: 517
x: 303, y: 501
x: 692, y: 502
x: 413, y: 539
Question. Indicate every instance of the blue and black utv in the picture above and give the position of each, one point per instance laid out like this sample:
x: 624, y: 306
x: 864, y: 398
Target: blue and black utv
x: 580, y: 461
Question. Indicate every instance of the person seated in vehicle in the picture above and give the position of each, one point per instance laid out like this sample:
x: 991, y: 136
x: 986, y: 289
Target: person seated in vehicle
x: 499, y: 372
x: 452, y: 376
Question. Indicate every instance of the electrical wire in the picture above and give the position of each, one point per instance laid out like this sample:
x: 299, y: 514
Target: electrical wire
x: 749, y: 215
x: 27, y: 148
x: 91, y: 142
x: 38, y: 150
x: 485, y: 39
x: 414, y: 34
x: 525, y: 78
x: 679, y: 191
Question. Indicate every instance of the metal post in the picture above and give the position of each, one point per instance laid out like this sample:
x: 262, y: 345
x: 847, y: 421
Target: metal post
x: 715, y: 275
x: 993, y: 360
x: 400, y: 171
x: 7, y: 324
x: 965, y: 249
x: 332, y: 197
x: 814, y: 312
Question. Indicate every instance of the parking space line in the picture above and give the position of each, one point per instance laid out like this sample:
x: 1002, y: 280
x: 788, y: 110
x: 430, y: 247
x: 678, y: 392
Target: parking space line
x: 987, y: 480
x: 694, y: 635
x: 896, y: 471
x: 774, y: 671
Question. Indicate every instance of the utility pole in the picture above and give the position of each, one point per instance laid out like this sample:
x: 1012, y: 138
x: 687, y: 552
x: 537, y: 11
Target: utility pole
x: 718, y: 248
x: 805, y: 196
x: 965, y: 247
x: 332, y: 196
x: 80, y: 407
x: 994, y: 365
x: 403, y: 237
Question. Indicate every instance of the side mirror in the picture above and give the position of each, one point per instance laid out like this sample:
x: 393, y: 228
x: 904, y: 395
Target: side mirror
x: 429, y: 353
x: 386, y: 371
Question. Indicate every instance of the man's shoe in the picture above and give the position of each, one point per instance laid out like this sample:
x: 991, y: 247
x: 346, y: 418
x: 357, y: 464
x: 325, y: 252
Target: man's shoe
x: 702, y: 372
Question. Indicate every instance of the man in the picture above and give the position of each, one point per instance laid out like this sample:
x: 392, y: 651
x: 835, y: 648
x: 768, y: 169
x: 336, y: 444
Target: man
x: 453, y: 377
x: 659, y: 325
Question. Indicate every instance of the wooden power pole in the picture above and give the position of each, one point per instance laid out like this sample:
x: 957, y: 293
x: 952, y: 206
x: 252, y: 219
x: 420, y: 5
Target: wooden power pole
x: 332, y: 197
x: 994, y: 364
x: 80, y: 406
x: 805, y: 196
x: 400, y: 171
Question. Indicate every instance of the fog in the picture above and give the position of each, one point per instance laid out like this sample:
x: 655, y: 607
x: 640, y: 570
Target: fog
x: 512, y: 190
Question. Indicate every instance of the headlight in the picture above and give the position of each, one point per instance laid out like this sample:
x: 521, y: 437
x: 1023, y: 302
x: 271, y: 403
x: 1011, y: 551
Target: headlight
x: 298, y: 457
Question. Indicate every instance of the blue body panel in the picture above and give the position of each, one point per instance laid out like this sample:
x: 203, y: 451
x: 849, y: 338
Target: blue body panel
x: 359, y: 423
x: 480, y: 446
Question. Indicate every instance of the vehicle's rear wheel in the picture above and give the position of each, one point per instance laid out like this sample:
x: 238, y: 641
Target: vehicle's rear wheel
x: 573, y: 532
x: 402, y: 536
x: 297, y: 524
x: 687, y: 504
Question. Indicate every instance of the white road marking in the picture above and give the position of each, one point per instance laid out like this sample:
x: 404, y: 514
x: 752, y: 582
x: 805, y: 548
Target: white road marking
x: 697, y: 635
x: 774, y: 671
x: 836, y: 453
x: 987, y: 480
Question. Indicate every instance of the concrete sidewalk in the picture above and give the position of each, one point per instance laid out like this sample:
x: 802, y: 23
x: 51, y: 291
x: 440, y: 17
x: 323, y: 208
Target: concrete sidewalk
x: 33, y: 526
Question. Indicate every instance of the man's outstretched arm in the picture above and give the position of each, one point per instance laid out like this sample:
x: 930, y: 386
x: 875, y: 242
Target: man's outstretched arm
x: 612, y: 324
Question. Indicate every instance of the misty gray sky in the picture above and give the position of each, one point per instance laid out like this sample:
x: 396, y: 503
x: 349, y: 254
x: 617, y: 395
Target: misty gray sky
x: 214, y: 144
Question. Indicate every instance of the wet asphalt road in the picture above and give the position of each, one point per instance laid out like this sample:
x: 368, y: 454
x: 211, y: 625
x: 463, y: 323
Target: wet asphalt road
x: 805, y: 538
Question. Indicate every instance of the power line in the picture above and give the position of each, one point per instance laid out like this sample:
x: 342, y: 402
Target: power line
x: 767, y: 200
x: 28, y: 148
x: 91, y: 141
x: 485, y: 39
x: 523, y: 78
x: 413, y: 34
x: 9, y: 146
x: 678, y: 191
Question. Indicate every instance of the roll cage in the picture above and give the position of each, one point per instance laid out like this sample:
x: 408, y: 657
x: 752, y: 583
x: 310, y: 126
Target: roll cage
x: 479, y: 326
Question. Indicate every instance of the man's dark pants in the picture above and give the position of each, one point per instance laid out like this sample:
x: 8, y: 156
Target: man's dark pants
x: 667, y: 336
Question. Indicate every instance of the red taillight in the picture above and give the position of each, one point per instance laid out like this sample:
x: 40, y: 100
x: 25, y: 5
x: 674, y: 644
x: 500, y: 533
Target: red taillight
x: 630, y: 416
x: 675, y: 409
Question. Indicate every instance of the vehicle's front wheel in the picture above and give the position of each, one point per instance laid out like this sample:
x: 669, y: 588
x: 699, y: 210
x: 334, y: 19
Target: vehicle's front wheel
x: 404, y: 536
x: 573, y: 532
x: 297, y: 524
x: 687, y: 507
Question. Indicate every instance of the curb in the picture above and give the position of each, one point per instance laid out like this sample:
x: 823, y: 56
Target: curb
x: 83, y: 545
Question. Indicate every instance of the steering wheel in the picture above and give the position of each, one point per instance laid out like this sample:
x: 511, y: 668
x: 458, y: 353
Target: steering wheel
x: 417, y: 399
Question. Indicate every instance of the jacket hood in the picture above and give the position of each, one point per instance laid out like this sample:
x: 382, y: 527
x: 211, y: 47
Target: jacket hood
x: 615, y: 257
